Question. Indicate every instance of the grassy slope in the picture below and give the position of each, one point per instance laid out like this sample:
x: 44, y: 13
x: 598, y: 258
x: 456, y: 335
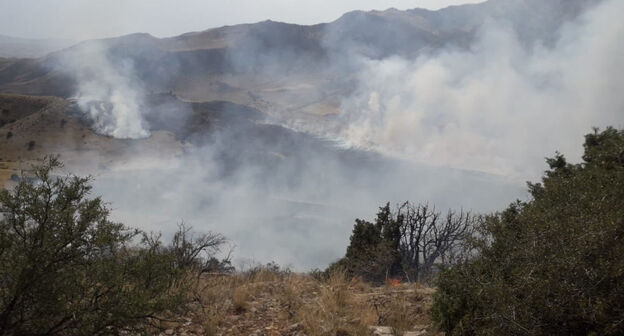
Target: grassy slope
x: 269, y: 303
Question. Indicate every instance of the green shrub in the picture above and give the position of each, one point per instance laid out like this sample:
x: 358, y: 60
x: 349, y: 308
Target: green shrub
x: 552, y: 265
x: 373, y: 250
x: 66, y: 269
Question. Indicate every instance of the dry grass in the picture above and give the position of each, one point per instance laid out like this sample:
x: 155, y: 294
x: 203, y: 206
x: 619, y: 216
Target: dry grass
x: 335, y: 310
x: 282, y: 303
x: 240, y: 299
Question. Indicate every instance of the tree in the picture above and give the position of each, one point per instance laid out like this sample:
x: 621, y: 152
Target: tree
x: 66, y: 269
x: 405, y: 243
x: 427, y: 237
x: 372, y: 252
x: 552, y: 265
x: 197, y: 252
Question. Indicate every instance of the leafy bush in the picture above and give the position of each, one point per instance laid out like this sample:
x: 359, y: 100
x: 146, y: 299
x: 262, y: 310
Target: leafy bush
x: 552, y: 265
x: 66, y: 269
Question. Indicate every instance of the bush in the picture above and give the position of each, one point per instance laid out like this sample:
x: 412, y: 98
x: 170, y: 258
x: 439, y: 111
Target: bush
x: 66, y: 269
x: 267, y: 272
x: 552, y: 265
x: 373, y: 250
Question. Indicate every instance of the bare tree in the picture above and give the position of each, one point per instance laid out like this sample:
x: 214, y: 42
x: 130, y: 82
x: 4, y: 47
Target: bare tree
x: 428, y: 238
x: 196, y: 251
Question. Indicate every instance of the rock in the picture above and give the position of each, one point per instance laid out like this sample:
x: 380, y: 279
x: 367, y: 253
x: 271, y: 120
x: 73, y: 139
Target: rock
x: 420, y: 327
x: 415, y: 333
x: 169, y: 332
x: 258, y: 332
x: 381, y: 330
x: 417, y: 330
x: 294, y: 327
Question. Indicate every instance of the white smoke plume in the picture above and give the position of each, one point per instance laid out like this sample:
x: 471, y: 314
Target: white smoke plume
x: 107, y: 92
x: 498, y: 107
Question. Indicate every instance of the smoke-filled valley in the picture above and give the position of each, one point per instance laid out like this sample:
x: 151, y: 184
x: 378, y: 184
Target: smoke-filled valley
x: 279, y: 135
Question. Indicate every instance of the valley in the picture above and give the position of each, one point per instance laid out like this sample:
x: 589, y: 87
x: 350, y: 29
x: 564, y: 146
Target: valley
x: 256, y: 109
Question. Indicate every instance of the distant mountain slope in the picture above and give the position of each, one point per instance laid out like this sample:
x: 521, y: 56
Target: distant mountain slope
x: 15, y: 47
x: 186, y: 62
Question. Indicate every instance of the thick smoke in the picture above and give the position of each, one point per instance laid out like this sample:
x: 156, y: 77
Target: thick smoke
x: 295, y: 205
x: 107, y: 92
x: 498, y: 107
x: 456, y: 127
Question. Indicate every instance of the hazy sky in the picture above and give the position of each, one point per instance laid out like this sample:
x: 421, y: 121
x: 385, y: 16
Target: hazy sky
x: 83, y: 19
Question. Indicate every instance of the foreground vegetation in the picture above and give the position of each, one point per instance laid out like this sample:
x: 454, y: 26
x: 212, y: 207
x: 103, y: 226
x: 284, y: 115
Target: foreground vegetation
x: 409, y: 244
x: 549, y: 266
x: 552, y: 265
x: 66, y: 269
x: 273, y: 301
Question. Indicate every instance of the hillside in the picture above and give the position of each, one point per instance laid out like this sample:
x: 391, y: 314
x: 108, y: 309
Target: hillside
x: 286, y: 68
x: 14, y: 47
x: 32, y: 127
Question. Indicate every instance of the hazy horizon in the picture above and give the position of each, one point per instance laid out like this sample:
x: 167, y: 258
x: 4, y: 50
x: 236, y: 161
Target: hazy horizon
x: 73, y: 20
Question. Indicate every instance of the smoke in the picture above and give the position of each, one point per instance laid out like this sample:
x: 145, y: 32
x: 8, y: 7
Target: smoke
x: 498, y: 107
x: 108, y: 92
x: 293, y: 202
x: 457, y: 127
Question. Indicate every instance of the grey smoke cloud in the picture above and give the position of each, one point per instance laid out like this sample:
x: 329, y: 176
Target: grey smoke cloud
x: 498, y: 107
x: 454, y: 127
x: 295, y: 214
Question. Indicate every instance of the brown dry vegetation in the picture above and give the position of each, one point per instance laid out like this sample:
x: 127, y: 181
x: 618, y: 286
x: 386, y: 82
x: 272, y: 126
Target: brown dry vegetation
x: 282, y: 303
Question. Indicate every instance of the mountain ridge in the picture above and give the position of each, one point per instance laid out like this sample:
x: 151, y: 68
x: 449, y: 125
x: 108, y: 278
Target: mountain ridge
x: 270, y: 64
